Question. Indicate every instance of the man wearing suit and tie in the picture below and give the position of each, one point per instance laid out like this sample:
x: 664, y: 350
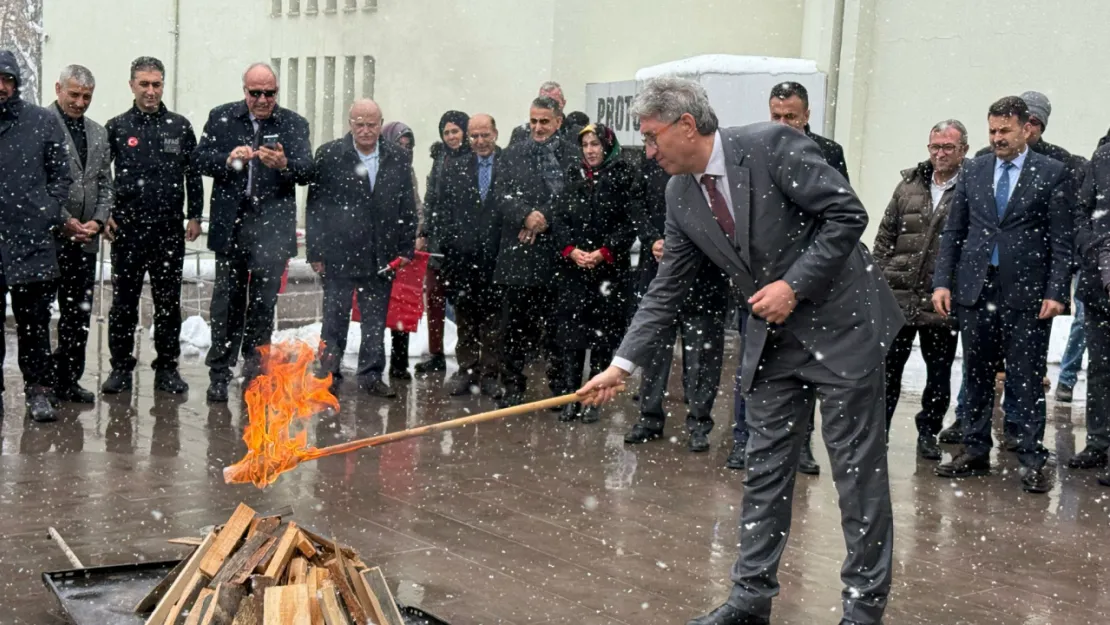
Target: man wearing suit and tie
x: 361, y: 217
x: 90, y: 202
x: 1005, y: 261
x: 761, y: 203
x: 466, y: 227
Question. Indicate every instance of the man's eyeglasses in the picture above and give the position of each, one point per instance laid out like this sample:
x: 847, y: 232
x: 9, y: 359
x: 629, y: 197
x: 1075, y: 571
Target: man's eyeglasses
x: 947, y: 148
x: 651, y: 138
x: 262, y: 93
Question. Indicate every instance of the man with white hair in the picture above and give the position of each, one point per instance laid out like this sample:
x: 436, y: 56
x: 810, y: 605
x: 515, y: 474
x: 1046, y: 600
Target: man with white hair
x: 256, y: 153
x: 762, y: 203
x: 87, y: 210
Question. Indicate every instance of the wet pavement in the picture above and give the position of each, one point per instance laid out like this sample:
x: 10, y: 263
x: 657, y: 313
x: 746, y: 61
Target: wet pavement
x: 534, y: 521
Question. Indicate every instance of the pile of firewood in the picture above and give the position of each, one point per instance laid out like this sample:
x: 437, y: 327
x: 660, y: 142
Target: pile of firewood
x: 263, y: 570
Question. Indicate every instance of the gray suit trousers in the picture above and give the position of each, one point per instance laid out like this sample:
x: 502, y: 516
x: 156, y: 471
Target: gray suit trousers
x: 853, y: 425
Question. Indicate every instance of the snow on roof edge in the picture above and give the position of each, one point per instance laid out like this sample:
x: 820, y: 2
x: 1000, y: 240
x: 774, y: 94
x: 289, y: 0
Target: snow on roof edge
x: 728, y: 64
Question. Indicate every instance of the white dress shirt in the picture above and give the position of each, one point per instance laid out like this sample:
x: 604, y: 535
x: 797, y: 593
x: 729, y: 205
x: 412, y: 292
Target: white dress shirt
x: 370, y: 162
x: 717, y: 168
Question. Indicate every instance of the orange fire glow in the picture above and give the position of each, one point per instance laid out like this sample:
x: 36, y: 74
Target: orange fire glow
x: 279, y: 402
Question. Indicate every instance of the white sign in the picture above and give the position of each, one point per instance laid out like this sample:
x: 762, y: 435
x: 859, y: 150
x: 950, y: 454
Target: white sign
x: 609, y: 103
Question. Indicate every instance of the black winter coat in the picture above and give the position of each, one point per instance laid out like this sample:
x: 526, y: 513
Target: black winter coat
x: 352, y: 230
x: 152, y: 154
x: 267, y: 232
x: 466, y: 228
x: 592, y: 303
x: 1092, y: 236
x: 908, y: 242
x: 34, y: 186
x: 521, y: 189
x: 831, y: 150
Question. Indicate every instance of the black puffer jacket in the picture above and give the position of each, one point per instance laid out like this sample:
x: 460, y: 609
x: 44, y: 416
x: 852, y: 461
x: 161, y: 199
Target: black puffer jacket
x: 908, y: 242
x: 34, y: 185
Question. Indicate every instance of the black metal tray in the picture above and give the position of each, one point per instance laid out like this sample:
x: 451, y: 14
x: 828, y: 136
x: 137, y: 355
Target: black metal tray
x: 107, y: 595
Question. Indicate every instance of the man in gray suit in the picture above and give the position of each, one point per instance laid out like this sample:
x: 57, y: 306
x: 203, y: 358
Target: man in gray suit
x: 761, y: 203
x: 85, y: 213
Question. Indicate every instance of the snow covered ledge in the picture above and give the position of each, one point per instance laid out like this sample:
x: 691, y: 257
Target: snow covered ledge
x: 729, y: 64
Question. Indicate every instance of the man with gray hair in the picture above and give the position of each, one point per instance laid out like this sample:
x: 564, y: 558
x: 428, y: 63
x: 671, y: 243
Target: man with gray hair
x: 85, y: 213
x: 906, y: 249
x: 256, y: 153
x: 761, y: 203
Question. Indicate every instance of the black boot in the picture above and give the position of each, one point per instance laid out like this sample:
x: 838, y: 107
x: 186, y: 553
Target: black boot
x: 169, y: 381
x: 807, y: 464
x: 217, y: 392
x: 118, y: 381
x: 953, y: 434
x: 38, y: 405
x: 74, y: 393
x: 436, y: 362
x: 591, y: 414
x: 569, y: 413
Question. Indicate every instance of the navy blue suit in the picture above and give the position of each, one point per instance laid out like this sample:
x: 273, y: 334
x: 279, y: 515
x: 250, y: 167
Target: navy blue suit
x: 997, y: 305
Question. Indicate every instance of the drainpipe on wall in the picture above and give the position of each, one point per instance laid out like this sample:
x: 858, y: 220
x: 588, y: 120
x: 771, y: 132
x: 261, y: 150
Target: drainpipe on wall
x: 176, y: 32
x: 833, y: 86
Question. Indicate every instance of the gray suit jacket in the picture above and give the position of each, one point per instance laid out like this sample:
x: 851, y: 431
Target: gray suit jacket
x: 91, y: 195
x: 797, y: 220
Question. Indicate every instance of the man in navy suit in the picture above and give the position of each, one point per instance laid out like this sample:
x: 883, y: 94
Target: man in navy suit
x: 1006, y: 252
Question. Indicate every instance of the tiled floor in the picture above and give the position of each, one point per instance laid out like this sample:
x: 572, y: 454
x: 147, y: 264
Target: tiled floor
x: 533, y: 521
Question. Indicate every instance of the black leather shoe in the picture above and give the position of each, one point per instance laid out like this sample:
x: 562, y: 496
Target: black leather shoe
x: 699, y: 442
x: 491, y: 388
x: 729, y: 615
x: 640, y: 433
x: 1089, y: 458
x: 75, y: 394
x: 1104, y: 478
x: 1035, y: 481
x: 807, y: 464
x: 399, y: 372
x: 592, y: 414
x: 39, y: 408
x: 738, y: 457
x: 1009, y: 442
x: 965, y: 465
x: 377, y: 388
x: 437, y: 362
x: 217, y: 393
x: 927, y: 447
x: 509, y: 399
x: 169, y: 381
x: 953, y: 434
x: 117, y: 382
x: 464, y: 387
x: 568, y: 412
x: 1064, y: 393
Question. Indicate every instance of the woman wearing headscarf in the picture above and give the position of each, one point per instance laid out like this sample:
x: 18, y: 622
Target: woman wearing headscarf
x: 593, y: 232
x: 454, y: 142
x: 401, y: 134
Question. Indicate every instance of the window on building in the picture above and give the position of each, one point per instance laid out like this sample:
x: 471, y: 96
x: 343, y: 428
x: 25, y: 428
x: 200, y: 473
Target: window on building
x: 275, y: 8
x: 327, y: 127
x: 370, y: 5
x: 348, y: 83
x: 292, y: 83
x: 312, y: 7
x: 330, y: 6
x: 310, y: 97
x: 276, y: 64
x: 350, y: 5
x: 294, y: 7
x: 368, y: 71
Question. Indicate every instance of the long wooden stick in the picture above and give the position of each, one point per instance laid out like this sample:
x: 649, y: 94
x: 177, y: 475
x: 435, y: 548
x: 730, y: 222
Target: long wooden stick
x: 424, y: 430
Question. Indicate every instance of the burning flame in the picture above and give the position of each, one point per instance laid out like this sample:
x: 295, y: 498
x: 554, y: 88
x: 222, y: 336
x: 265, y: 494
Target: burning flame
x: 285, y: 393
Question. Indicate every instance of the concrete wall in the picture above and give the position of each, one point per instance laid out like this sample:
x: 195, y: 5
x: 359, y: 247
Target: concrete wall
x: 927, y: 61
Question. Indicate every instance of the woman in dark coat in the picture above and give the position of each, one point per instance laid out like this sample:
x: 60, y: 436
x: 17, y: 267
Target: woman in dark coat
x: 453, y: 142
x: 593, y: 231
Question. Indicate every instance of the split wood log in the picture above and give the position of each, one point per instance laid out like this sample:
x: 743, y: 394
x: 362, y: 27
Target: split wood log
x: 226, y: 540
x: 329, y: 606
x: 184, y: 578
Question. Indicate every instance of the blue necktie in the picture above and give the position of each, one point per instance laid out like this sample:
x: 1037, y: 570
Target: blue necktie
x: 1001, y: 199
x: 485, y: 168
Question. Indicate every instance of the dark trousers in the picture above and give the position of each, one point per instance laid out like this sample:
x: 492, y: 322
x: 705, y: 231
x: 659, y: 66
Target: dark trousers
x: 703, y: 345
x: 373, y: 304
x: 938, y: 348
x: 527, y: 325
x: 31, y: 308
x: 478, y: 319
x: 139, y: 249
x: 780, y: 403
x: 990, y: 331
x: 243, y: 302
x: 398, y: 349
x: 574, y: 363
x: 1097, y: 325
x: 75, y: 295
